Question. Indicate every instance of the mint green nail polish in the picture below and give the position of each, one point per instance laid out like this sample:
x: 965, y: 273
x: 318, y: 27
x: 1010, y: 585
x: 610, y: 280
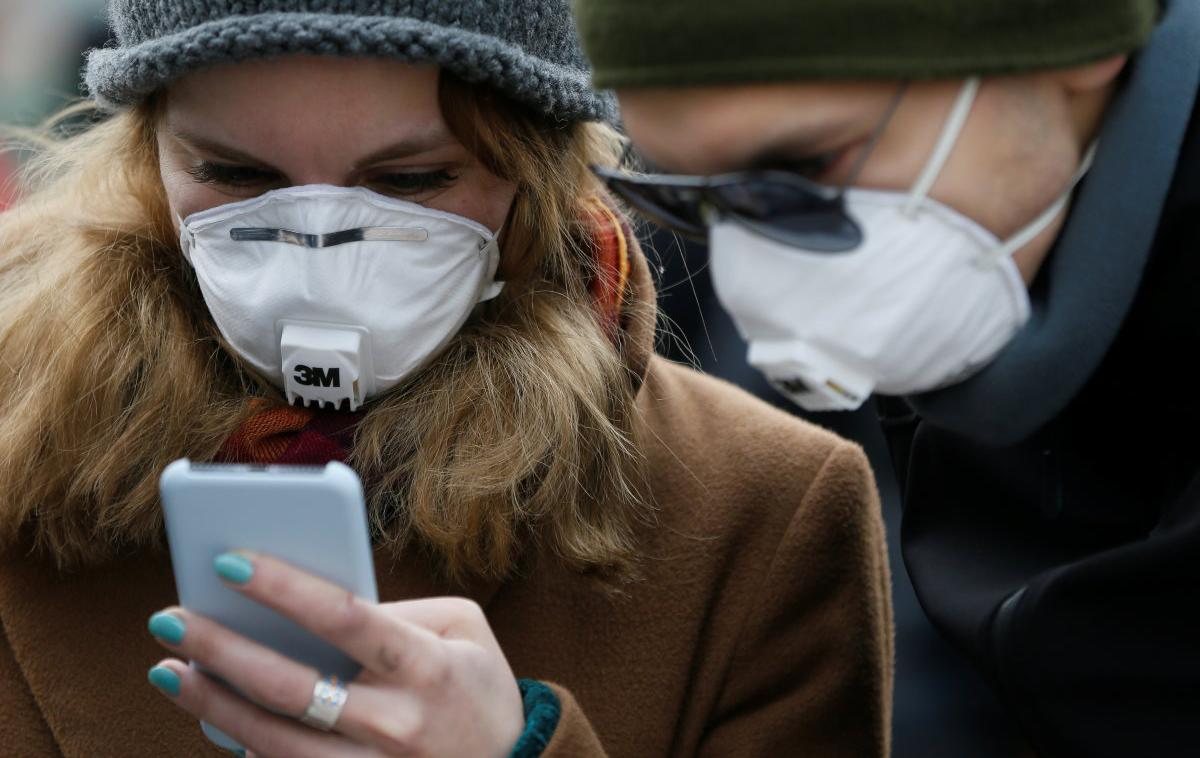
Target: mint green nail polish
x: 167, y: 628
x: 165, y: 679
x: 233, y: 568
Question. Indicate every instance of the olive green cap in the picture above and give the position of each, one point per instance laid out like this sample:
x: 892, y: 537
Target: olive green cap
x: 646, y: 43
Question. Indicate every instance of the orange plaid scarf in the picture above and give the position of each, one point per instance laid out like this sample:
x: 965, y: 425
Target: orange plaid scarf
x: 284, y: 434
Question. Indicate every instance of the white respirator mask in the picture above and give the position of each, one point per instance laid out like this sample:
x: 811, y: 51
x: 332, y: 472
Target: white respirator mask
x: 929, y: 298
x: 338, y: 294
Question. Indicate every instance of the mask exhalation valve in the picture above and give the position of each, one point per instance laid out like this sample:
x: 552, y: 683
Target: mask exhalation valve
x: 323, y: 365
x: 809, y: 377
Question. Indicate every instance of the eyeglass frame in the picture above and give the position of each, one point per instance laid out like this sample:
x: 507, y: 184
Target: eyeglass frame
x: 626, y: 184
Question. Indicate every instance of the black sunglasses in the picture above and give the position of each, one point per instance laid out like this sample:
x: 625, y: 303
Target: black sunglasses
x: 780, y: 205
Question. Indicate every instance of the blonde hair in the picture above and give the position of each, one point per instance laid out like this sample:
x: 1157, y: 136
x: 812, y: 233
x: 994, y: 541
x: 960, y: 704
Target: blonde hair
x: 522, y: 432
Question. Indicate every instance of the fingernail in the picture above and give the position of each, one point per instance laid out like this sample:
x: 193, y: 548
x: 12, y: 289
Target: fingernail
x: 233, y: 568
x: 167, y: 627
x: 165, y: 679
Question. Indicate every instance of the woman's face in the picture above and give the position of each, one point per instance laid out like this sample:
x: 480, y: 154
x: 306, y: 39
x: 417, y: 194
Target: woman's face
x: 236, y: 131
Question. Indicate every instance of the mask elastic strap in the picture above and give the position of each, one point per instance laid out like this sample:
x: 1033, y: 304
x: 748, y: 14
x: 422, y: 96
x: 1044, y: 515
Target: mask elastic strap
x: 185, y: 238
x: 945, y: 145
x: 492, y: 291
x: 1029, y: 233
x: 495, y: 287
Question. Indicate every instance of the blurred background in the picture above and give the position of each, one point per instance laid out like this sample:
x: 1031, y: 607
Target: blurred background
x: 41, y: 44
x: 941, y: 707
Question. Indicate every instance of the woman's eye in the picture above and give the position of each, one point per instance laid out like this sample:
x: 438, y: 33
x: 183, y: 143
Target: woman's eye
x: 406, y: 185
x: 232, y: 176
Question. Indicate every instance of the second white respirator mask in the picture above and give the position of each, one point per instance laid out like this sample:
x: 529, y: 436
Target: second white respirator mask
x: 927, y: 299
x: 338, y: 294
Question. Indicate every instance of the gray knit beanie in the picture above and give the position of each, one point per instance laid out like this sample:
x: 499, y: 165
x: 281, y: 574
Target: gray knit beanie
x: 527, y: 49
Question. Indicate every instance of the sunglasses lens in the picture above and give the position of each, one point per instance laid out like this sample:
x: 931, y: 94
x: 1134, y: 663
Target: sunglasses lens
x: 676, y: 208
x: 763, y: 199
x: 791, y: 212
x: 784, y: 208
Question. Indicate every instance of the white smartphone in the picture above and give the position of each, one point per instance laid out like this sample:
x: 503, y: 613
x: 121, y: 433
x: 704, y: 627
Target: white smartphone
x: 313, y: 517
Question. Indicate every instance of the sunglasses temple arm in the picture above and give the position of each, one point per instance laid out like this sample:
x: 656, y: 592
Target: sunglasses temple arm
x: 876, y: 136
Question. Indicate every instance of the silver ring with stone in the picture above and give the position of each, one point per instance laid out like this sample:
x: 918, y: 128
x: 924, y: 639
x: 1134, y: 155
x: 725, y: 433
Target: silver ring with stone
x: 328, y: 699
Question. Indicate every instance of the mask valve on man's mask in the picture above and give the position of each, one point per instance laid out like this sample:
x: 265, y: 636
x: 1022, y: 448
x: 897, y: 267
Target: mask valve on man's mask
x: 812, y: 378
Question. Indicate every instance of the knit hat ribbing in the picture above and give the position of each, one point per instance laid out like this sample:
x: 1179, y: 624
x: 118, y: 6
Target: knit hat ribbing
x: 527, y: 49
x: 642, y: 43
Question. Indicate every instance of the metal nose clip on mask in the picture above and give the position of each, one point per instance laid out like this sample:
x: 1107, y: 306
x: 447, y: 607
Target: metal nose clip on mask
x: 338, y: 294
x: 928, y: 298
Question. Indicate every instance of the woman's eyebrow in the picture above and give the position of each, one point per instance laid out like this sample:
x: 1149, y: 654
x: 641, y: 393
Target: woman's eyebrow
x: 203, y: 144
x: 405, y: 148
x: 408, y: 147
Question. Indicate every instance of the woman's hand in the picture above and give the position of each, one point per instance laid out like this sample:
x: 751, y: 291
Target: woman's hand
x: 434, y: 680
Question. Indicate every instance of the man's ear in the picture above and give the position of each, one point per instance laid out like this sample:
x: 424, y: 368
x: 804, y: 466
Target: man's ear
x: 1093, y: 76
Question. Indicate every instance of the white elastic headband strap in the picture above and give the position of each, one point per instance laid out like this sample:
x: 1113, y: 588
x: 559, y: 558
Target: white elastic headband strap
x: 1029, y: 233
x: 945, y: 146
x: 185, y: 239
x: 495, y: 287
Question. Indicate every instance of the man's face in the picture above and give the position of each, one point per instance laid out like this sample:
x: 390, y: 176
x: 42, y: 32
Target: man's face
x: 1023, y: 141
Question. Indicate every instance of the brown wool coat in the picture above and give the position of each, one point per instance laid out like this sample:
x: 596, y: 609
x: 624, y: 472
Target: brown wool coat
x: 761, y: 625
